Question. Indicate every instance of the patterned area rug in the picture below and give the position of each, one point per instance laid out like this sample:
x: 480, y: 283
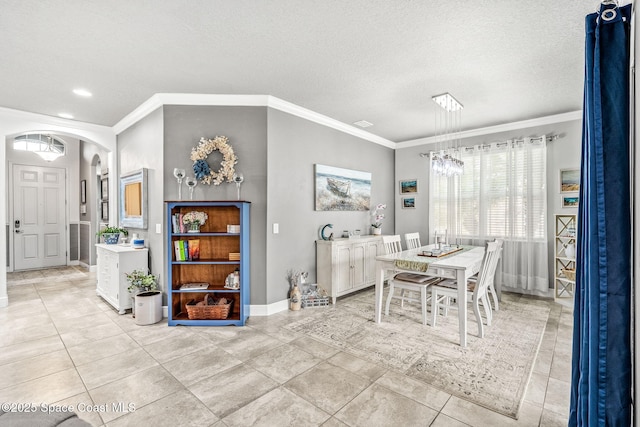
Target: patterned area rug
x: 492, y: 372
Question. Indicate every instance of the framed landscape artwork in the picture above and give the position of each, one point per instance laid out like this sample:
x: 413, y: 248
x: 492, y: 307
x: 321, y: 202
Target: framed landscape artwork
x: 408, y: 203
x: 570, y: 201
x: 409, y: 186
x: 569, y: 180
x: 339, y: 189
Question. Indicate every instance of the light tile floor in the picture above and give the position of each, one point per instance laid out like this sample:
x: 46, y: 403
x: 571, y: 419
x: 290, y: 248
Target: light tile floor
x: 61, y: 344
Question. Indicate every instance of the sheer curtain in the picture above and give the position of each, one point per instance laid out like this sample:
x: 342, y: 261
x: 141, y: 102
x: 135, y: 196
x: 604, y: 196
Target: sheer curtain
x: 502, y: 194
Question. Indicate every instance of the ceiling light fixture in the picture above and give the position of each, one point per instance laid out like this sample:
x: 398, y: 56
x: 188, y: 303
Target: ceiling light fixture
x: 65, y: 115
x: 45, y: 146
x: 83, y: 92
x: 446, y: 160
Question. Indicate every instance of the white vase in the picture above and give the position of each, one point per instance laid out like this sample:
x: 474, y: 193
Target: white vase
x: 377, y: 231
x: 570, y: 251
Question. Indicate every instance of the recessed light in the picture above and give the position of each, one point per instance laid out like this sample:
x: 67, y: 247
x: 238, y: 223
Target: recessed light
x: 82, y: 92
x: 363, y: 123
x: 65, y: 115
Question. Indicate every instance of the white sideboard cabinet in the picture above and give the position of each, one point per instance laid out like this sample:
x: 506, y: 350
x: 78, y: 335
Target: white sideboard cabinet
x: 347, y: 265
x: 114, y: 261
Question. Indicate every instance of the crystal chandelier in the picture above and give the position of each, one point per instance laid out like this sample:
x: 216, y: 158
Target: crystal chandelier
x: 445, y: 161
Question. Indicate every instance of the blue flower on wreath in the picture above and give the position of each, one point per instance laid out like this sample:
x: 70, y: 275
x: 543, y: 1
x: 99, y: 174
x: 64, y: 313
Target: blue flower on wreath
x: 201, y: 169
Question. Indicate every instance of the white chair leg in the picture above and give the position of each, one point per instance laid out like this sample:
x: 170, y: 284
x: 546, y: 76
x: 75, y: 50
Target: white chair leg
x: 391, y: 288
x: 423, y: 302
x: 487, y: 309
x: 476, y: 311
x: 402, y: 298
x: 434, y: 306
x: 494, y: 297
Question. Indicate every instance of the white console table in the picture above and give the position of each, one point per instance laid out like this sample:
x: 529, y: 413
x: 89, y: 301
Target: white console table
x: 347, y: 265
x: 113, y: 262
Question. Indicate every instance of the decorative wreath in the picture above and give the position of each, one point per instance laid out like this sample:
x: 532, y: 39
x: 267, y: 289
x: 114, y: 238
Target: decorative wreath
x: 201, y: 168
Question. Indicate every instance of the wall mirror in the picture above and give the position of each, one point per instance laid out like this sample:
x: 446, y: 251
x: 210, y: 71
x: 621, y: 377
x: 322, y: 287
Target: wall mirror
x: 133, y: 199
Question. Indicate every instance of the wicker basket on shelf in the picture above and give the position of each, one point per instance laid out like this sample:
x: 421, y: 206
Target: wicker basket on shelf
x: 209, y: 311
x: 569, y: 274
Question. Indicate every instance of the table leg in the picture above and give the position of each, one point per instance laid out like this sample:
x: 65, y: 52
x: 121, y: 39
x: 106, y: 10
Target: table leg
x: 462, y: 306
x: 380, y: 268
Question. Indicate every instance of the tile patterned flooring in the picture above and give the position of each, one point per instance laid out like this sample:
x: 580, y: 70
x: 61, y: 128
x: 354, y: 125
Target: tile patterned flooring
x: 62, y: 344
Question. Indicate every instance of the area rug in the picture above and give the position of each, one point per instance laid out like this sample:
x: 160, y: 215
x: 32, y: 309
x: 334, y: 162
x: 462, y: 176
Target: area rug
x: 492, y: 371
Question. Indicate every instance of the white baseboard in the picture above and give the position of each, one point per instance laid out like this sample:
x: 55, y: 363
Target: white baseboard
x: 269, y: 309
x: 4, y: 301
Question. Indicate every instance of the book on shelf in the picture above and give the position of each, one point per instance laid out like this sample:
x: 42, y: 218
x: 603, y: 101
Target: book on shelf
x: 234, y: 256
x: 192, y: 286
x: 233, y: 228
x: 194, y: 249
x: 181, y: 248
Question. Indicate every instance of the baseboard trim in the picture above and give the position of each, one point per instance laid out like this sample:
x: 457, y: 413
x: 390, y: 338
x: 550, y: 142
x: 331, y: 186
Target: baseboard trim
x: 4, y: 301
x: 269, y: 309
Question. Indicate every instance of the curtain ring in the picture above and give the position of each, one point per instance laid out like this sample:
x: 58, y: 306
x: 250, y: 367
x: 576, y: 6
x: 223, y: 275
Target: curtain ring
x: 609, y: 14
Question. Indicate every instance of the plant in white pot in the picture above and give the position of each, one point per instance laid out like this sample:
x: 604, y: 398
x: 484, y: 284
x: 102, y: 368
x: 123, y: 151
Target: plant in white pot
x: 147, y: 298
x: 111, y: 235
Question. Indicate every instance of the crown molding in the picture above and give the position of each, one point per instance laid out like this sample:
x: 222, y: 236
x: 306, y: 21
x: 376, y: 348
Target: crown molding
x: 507, y: 127
x: 160, y: 99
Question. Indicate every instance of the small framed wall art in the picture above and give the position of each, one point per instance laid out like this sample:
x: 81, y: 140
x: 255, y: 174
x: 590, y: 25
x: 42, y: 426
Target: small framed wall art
x: 570, y: 201
x: 408, y: 203
x: 104, y: 189
x: 105, y: 211
x: 408, y: 186
x: 569, y: 180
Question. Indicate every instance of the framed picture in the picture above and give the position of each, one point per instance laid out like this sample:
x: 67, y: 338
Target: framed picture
x: 408, y: 203
x: 409, y: 186
x: 570, y: 201
x: 569, y: 180
x: 105, y: 211
x: 83, y: 191
x: 104, y: 189
x: 339, y: 189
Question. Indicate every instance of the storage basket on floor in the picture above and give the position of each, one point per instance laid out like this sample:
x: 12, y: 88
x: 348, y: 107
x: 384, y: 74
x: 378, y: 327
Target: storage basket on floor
x: 209, y: 312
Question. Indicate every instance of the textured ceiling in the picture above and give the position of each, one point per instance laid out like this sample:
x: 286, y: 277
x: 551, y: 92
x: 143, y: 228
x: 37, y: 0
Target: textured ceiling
x: 377, y: 60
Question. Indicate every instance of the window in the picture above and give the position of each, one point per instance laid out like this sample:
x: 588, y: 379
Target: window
x: 502, y: 193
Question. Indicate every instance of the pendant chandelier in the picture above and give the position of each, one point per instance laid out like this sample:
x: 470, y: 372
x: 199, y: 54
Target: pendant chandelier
x: 446, y: 161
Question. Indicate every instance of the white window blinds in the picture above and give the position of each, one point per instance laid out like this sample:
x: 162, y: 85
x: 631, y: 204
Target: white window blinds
x: 502, y: 194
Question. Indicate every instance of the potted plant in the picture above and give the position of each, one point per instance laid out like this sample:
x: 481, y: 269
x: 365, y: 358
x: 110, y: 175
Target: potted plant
x: 147, y: 298
x: 376, y: 218
x: 111, y: 235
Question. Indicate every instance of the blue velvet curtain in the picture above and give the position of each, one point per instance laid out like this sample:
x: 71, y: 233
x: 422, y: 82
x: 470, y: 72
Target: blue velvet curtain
x: 601, y: 369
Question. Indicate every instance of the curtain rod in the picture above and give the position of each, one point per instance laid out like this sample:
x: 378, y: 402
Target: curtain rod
x: 550, y: 138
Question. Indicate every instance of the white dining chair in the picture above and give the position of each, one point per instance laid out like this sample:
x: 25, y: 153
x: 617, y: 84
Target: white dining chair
x: 392, y: 244
x: 407, y: 282
x: 412, y: 240
x: 476, y: 290
x: 491, y: 290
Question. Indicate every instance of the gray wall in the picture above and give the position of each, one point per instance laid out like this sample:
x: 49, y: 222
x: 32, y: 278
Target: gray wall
x: 141, y: 146
x: 246, y: 128
x: 563, y: 153
x: 295, y: 146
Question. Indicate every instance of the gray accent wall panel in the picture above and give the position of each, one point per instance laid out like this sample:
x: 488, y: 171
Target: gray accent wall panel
x: 74, y: 235
x: 85, y: 243
x: 295, y: 145
x: 246, y: 128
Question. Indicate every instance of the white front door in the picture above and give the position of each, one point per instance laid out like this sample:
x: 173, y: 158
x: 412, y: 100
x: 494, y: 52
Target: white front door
x: 39, y: 223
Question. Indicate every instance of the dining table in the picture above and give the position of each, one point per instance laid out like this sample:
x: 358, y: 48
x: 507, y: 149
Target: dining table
x: 458, y: 263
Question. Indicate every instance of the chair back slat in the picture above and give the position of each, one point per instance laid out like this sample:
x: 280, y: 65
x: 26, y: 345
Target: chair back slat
x: 488, y: 268
x: 392, y: 244
x: 412, y: 240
